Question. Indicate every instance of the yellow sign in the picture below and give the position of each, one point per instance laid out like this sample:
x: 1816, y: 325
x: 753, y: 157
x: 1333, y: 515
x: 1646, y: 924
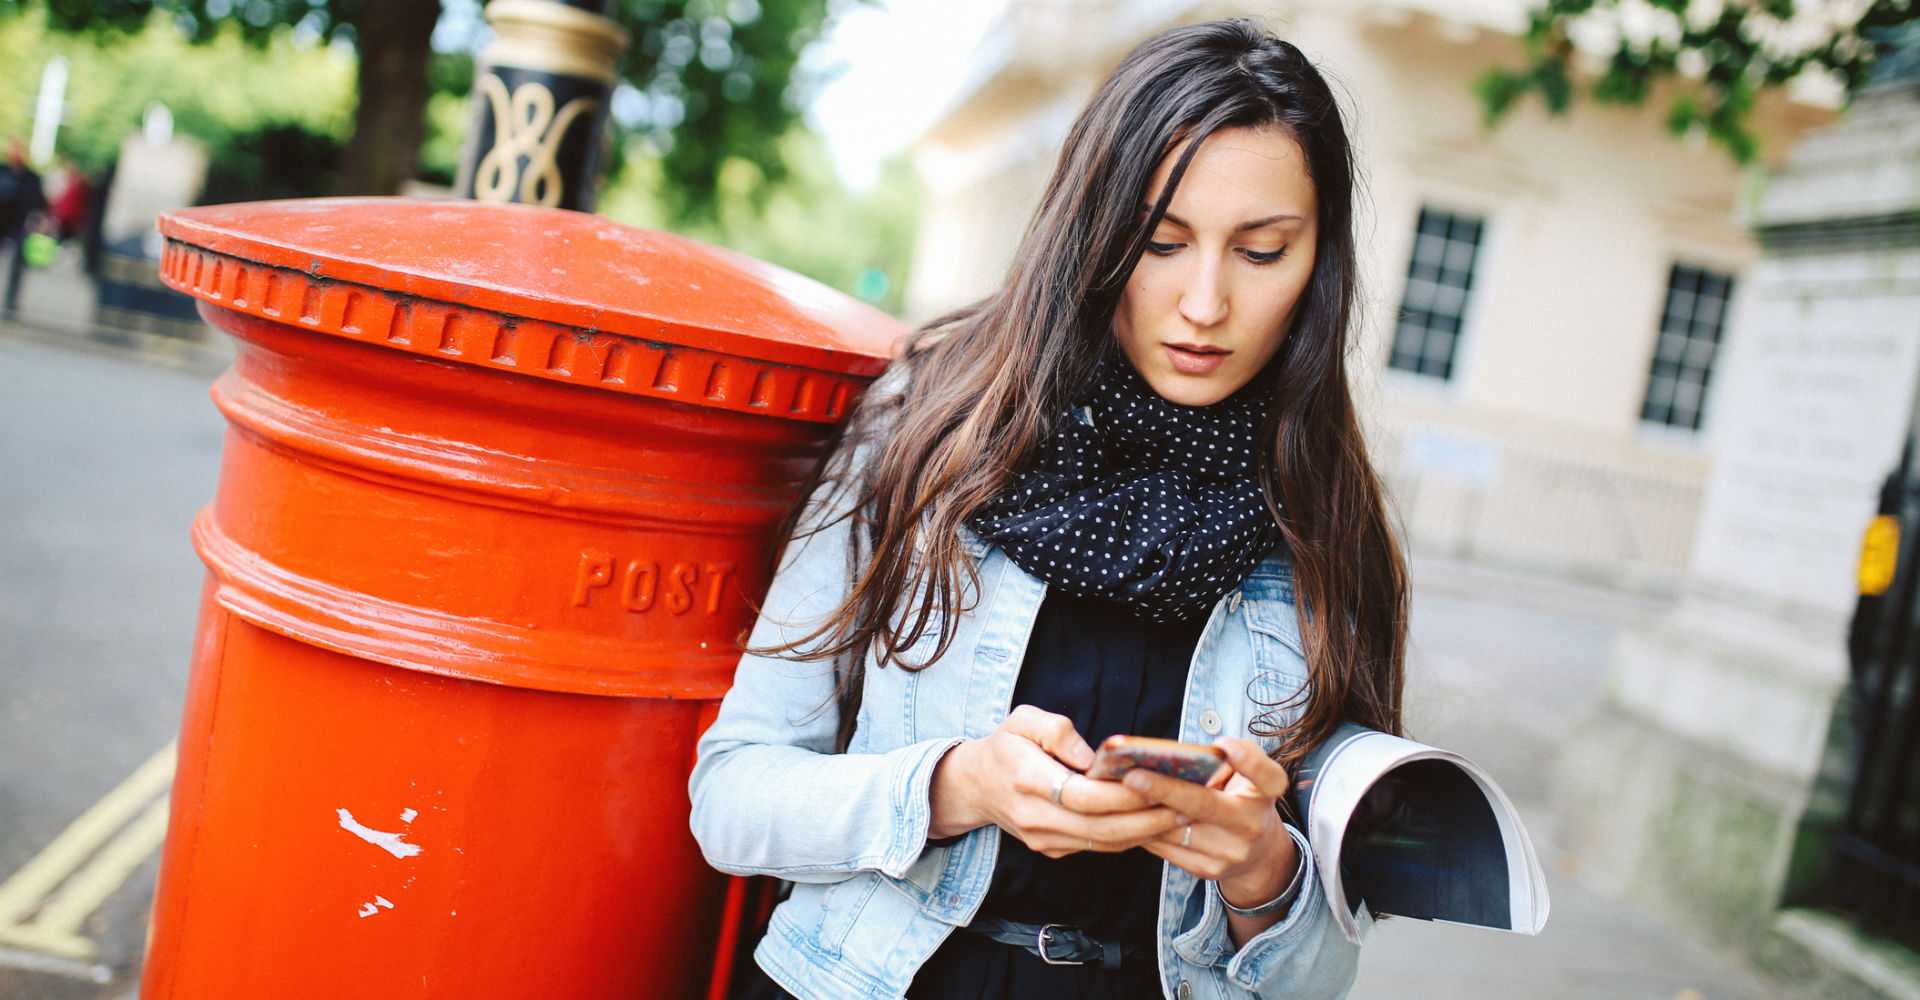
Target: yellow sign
x: 1879, y: 555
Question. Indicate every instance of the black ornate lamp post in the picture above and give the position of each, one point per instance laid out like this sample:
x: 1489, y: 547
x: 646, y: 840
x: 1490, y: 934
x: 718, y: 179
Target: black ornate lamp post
x: 540, y: 95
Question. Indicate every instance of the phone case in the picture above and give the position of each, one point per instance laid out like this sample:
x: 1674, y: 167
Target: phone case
x: 1186, y: 761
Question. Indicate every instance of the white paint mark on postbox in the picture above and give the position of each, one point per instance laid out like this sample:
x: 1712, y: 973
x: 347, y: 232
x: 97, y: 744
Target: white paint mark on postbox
x: 389, y: 842
x: 372, y: 908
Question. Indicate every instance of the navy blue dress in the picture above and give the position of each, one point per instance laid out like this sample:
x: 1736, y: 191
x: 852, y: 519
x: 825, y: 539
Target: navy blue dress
x: 1110, y: 672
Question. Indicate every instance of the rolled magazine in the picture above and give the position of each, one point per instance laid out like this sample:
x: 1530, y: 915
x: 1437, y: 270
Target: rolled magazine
x: 1402, y: 828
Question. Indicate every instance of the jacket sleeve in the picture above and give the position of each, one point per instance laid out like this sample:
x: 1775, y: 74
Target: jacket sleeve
x: 1303, y: 957
x: 769, y: 795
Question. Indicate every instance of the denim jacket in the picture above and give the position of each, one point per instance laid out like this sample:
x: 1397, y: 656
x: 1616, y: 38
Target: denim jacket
x: 872, y: 899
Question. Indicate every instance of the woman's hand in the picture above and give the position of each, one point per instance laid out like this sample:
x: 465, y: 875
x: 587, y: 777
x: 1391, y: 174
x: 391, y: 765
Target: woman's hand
x: 1237, y: 838
x: 1007, y: 779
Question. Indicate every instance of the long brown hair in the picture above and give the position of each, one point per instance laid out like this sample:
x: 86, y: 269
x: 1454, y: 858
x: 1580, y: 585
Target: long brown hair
x: 981, y: 388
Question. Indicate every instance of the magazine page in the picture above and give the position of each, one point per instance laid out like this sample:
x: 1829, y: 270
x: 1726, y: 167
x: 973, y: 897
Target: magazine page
x: 1403, y: 828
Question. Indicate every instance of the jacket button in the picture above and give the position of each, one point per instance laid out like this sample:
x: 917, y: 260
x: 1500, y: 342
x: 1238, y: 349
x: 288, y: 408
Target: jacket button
x: 1210, y: 722
x: 1233, y: 603
x: 1184, y: 992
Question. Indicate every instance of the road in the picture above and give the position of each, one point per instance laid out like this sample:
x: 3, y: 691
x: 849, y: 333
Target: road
x: 103, y: 463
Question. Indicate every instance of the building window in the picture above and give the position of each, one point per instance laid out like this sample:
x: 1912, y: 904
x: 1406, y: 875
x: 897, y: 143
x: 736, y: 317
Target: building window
x: 1438, y: 279
x: 1689, y: 339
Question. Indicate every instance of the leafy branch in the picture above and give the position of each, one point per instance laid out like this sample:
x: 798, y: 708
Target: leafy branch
x: 1722, y: 54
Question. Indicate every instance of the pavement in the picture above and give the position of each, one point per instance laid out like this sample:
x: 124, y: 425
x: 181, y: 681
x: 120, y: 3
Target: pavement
x: 1501, y: 665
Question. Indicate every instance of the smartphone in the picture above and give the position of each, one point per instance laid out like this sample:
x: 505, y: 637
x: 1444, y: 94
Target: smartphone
x: 1186, y: 761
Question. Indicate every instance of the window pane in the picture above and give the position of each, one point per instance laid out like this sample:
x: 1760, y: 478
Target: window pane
x: 1709, y: 312
x: 1460, y: 260
x: 1434, y: 303
x: 1683, y: 356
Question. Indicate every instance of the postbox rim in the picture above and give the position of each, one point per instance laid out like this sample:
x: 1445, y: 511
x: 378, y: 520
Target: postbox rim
x: 590, y: 273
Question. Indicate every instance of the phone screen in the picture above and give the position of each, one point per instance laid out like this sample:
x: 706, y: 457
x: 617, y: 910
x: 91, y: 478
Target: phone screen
x: 1186, y: 761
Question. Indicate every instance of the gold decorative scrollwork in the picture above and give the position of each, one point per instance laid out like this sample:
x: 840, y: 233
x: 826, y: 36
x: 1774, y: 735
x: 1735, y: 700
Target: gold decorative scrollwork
x: 524, y: 124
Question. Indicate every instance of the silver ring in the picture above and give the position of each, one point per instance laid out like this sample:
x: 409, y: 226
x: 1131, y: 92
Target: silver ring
x: 1090, y: 846
x: 1059, y: 784
x: 1188, y: 839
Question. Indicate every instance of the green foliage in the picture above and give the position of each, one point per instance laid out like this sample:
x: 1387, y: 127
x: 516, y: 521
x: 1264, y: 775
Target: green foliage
x: 448, y: 117
x: 1720, y: 54
x: 707, y: 81
x: 218, y: 92
x: 713, y: 81
x: 806, y: 221
x: 733, y: 168
x: 281, y: 160
x: 257, y: 21
x: 451, y: 73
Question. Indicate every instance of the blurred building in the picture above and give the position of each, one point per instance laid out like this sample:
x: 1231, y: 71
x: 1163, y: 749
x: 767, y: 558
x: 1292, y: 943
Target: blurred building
x: 1545, y: 300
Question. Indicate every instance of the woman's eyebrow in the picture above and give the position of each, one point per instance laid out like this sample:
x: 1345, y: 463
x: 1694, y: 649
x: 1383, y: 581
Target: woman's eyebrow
x: 1268, y: 221
x: 1244, y: 226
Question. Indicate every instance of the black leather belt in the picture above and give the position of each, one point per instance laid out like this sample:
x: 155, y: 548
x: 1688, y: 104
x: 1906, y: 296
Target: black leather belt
x: 1056, y: 944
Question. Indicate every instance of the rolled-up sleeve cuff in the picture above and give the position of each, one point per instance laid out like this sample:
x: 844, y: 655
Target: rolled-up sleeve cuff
x: 1260, y: 959
x: 911, y: 796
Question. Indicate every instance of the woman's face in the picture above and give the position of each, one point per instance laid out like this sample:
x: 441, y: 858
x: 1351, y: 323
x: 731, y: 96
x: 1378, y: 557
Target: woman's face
x: 1214, y: 293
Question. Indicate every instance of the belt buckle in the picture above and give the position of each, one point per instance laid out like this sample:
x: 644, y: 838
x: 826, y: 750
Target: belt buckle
x: 1044, y: 940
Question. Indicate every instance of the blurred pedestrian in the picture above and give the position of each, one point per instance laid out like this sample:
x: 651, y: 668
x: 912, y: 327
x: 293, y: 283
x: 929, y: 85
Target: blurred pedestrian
x: 22, y: 200
x: 69, y: 200
x: 92, y: 235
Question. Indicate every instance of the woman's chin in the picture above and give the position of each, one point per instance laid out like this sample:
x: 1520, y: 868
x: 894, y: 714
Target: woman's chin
x: 1189, y: 390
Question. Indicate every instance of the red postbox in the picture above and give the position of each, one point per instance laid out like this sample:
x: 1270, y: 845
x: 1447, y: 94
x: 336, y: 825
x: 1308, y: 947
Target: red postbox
x: 499, y: 486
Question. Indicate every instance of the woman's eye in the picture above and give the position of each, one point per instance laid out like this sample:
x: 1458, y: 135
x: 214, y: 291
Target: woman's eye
x: 1266, y: 257
x: 1161, y: 249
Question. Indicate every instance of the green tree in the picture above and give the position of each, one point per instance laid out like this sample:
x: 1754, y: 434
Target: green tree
x: 1719, y: 54
x: 710, y: 79
x: 808, y: 221
x: 238, y: 100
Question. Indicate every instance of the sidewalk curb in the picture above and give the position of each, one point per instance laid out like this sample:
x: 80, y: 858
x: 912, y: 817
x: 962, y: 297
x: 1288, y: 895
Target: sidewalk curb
x: 208, y: 356
x: 1825, y: 956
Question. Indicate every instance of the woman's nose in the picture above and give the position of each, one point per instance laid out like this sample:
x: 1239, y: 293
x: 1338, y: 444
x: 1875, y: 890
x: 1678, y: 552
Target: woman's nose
x: 1203, y: 301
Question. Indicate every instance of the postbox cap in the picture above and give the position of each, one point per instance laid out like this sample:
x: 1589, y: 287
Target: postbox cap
x: 514, y: 266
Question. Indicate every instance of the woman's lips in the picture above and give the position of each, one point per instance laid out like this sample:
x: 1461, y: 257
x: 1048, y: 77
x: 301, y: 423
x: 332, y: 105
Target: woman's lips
x: 1192, y: 359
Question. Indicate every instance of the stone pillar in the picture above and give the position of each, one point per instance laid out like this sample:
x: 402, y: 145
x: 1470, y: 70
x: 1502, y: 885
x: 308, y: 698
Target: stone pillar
x: 1693, y: 789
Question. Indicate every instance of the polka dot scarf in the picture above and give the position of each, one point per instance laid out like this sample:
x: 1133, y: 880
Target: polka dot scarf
x: 1141, y: 501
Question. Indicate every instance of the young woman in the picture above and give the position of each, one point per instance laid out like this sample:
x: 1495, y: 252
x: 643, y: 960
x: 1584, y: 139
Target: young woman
x: 1125, y: 493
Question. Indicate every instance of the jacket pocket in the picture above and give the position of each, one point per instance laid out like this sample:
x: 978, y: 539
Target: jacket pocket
x: 839, y: 908
x: 1279, y: 678
x: 1278, y: 621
